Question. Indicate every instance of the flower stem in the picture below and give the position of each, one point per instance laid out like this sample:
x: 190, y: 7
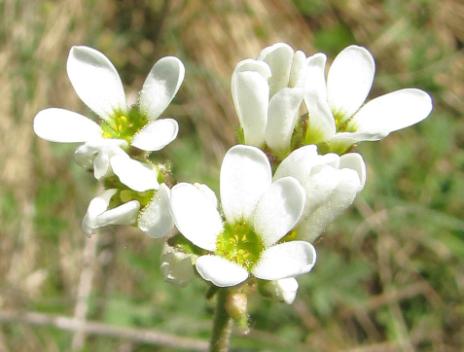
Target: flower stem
x: 222, y: 327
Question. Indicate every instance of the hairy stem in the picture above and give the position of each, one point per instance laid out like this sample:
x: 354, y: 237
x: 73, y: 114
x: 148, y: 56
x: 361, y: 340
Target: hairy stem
x: 222, y: 327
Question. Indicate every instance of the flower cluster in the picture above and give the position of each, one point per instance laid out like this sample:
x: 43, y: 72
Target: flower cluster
x: 116, y: 149
x: 291, y: 176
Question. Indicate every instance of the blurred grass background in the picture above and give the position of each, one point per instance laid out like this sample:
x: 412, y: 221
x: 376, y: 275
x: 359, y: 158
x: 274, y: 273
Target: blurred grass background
x: 390, y: 272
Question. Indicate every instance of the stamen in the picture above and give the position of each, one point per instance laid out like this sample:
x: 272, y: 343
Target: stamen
x: 240, y: 243
x: 124, y: 125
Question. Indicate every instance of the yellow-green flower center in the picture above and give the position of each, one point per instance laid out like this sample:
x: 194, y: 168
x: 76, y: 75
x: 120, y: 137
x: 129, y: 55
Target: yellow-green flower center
x: 240, y: 244
x: 342, y: 123
x: 125, y: 194
x: 124, y: 125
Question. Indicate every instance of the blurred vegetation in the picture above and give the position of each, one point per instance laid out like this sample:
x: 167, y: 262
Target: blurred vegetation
x: 390, y: 272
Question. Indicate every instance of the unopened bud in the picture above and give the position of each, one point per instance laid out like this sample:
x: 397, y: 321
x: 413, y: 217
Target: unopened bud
x: 176, y: 266
x: 237, y: 308
x: 284, y: 289
x: 236, y: 305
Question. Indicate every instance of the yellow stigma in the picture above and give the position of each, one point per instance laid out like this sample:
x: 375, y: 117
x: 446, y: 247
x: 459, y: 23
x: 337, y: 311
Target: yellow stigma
x: 240, y: 244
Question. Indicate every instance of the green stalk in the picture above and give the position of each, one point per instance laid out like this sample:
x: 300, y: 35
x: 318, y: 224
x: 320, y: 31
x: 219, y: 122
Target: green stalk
x: 222, y: 327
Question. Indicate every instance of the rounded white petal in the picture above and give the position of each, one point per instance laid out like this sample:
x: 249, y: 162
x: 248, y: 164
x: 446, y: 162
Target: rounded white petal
x: 283, y: 115
x: 60, y: 125
x: 208, y: 193
x: 101, y: 164
x: 134, y: 174
x: 250, y: 93
x: 161, y: 85
x: 155, y: 219
x: 97, y: 206
x: 279, y: 210
x: 95, y: 81
x: 95, y: 153
x: 319, y: 185
x: 350, y: 79
x: 329, y: 193
x: 255, y: 66
x: 156, y: 135
x: 195, y: 215
x: 285, y: 260
x: 98, y: 216
x: 298, y: 70
x: 299, y: 163
x: 220, y: 271
x: 124, y: 214
x: 321, y: 123
x: 393, y: 111
x: 286, y: 289
x: 354, y: 161
x: 245, y: 176
x: 315, y: 82
x: 279, y: 57
x: 100, y: 203
x: 176, y: 266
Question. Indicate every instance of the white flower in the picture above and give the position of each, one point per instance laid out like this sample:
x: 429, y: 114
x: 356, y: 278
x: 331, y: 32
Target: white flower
x: 331, y: 183
x: 258, y: 214
x: 97, y: 83
x: 137, y: 197
x: 267, y: 95
x: 336, y: 111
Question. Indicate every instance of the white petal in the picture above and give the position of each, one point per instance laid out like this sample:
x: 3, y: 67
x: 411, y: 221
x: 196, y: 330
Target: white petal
x: 349, y: 138
x: 393, y: 111
x: 245, y: 176
x: 279, y: 57
x: 286, y: 289
x: 59, y: 125
x: 350, y: 79
x: 283, y: 115
x: 285, y: 260
x: 161, y: 86
x: 279, y: 209
x: 298, y: 70
x: 299, y: 163
x: 156, y: 135
x: 134, y: 174
x: 100, y: 203
x: 101, y: 165
x: 155, y: 219
x: 354, y: 161
x: 315, y: 82
x: 329, y: 193
x: 87, y: 153
x: 221, y: 272
x: 250, y: 92
x: 124, y: 214
x: 95, y: 81
x: 98, y: 216
x: 208, y: 193
x: 195, y: 216
x: 321, y: 123
x: 255, y: 66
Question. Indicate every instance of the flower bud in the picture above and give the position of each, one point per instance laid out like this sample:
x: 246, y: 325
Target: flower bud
x: 236, y: 307
x: 176, y: 266
x: 283, y: 290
